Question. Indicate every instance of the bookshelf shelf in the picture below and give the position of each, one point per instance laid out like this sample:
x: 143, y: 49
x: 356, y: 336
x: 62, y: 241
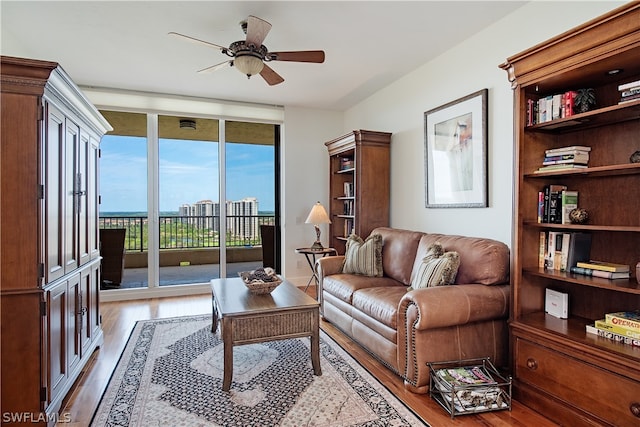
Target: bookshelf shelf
x: 350, y: 170
x: 555, y: 362
x: 598, y: 171
x: 583, y: 227
x: 618, y: 285
x: 599, y: 117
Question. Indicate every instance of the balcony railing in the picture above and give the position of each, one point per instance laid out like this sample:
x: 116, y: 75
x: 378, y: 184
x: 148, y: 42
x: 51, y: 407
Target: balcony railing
x: 189, y: 232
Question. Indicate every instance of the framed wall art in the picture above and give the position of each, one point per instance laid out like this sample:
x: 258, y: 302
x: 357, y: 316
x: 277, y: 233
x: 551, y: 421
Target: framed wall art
x: 456, y: 153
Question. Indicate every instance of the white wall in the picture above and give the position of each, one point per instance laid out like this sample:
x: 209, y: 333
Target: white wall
x: 469, y: 67
x: 305, y: 181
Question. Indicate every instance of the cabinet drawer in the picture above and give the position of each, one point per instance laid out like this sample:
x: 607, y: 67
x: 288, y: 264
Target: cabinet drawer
x: 593, y: 390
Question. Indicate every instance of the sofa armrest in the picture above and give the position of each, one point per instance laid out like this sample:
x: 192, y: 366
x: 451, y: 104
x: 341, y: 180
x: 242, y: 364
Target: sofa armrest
x: 442, y: 306
x: 326, y: 266
x: 329, y: 265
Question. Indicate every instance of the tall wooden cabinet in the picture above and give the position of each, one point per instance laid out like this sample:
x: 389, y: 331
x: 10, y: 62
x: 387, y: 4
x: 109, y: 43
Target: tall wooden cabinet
x: 359, y: 188
x: 573, y: 377
x: 49, y: 254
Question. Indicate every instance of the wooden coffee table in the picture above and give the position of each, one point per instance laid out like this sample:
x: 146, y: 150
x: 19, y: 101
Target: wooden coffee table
x: 247, y: 318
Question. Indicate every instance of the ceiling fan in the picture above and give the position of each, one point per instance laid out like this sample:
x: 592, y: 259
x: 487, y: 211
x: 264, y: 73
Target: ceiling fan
x: 250, y: 56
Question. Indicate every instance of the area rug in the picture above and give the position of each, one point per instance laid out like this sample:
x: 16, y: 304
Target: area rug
x: 170, y: 374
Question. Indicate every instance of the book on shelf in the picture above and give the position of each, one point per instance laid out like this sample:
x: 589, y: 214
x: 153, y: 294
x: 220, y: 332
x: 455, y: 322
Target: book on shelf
x: 569, y: 99
x: 553, y: 257
x: 591, y: 329
x: 604, y: 266
x: 348, y: 189
x: 579, y: 157
x: 606, y: 326
x: 630, y: 85
x: 579, y: 248
x: 550, y: 107
x: 559, y: 167
x: 555, y: 203
x: 346, y: 163
x: 542, y: 249
x: 568, y: 149
x: 599, y: 273
x: 568, y: 202
x: 627, y: 319
x: 629, y: 98
x: 561, y: 251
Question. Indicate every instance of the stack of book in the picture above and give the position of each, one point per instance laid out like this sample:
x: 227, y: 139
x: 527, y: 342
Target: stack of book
x: 561, y: 251
x: 555, y: 203
x: 551, y: 107
x: 622, y: 326
x: 629, y: 92
x: 573, y: 157
x: 607, y: 270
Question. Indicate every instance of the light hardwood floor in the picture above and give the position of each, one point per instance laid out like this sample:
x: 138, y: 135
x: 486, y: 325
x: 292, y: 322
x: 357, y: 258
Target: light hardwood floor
x: 118, y: 320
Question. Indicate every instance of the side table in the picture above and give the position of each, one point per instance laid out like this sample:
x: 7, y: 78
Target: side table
x: 311, y: 255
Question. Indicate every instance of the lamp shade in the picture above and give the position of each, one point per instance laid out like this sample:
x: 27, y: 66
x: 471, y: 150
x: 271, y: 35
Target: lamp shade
x: 318, y: 215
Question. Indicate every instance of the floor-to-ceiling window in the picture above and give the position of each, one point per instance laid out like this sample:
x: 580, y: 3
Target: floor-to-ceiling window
x: 212, y: 198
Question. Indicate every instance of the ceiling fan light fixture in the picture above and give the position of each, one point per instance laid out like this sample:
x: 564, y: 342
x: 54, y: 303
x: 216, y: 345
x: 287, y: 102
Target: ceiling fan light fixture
x: 248, y: 64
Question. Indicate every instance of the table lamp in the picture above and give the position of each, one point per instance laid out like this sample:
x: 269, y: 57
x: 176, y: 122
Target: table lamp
x: 316, y: 217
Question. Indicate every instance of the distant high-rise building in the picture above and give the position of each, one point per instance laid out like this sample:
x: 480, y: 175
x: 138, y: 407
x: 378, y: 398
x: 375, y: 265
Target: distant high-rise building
x: 242, y: 216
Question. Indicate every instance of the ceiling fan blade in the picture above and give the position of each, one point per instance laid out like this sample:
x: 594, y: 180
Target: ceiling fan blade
x: 257, y: 30
x: 298, y: 56
x: 214, y: 67
x: 271, y: 76
x: 195, y: 40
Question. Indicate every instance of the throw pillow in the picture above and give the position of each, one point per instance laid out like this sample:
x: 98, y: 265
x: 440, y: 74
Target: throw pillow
x: 437, y: 271
x: 363, y: 256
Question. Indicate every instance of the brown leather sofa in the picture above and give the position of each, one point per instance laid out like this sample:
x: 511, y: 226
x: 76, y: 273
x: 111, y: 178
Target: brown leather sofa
x: 406, y: 330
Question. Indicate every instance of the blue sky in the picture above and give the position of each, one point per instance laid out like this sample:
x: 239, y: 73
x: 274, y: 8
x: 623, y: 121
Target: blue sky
x: 188, y: 173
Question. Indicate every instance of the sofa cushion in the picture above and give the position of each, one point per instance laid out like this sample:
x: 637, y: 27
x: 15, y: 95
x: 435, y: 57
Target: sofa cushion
x: 398, y: 252
x: 342, y: 286
x: 484, y: 261
x: 380, y: 303
x: 363, y: 256
x: 436, y: 271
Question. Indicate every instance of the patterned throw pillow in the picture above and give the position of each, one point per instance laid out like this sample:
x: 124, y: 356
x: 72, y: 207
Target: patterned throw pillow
x: 437, y: 271
x: 363, y: 257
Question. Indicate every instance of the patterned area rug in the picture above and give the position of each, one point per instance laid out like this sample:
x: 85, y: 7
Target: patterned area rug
x: 170, y: 374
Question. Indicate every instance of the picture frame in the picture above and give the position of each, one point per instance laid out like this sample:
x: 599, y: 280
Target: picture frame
x: 456, y: 153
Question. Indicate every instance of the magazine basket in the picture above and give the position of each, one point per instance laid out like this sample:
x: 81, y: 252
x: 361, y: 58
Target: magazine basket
x: 488, y: 391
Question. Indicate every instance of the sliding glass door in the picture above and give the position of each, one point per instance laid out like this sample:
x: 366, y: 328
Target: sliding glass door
x: 211, y: 191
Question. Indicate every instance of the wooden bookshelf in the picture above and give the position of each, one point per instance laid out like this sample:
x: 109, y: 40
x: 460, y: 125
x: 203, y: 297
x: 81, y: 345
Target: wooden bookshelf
x: 573, y: 377
x: 358, y: 184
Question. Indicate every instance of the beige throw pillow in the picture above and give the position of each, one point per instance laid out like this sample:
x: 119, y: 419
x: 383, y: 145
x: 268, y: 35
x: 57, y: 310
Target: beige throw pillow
x: 363, y: 257
x: 436, y: 270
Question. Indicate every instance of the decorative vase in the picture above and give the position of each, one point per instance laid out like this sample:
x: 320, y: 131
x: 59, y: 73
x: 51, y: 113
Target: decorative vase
x: 638, y: 273
x: 578, y: 216
x: 585, y: 100
x: 635, y: 157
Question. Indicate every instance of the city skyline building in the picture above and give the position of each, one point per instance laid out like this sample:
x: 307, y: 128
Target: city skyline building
x: 242, y: 216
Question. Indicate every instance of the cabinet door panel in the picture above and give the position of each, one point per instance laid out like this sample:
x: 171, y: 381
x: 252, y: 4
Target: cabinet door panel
x: 70, y: 199
x: 82, y: 199
x: 54, y: 185
x: 93, y: 207
x: 88, y: 306
x: 74, y: 298
x: 57, y: 338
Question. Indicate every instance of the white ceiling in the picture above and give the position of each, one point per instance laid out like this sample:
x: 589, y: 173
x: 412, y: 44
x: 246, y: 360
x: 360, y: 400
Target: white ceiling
x: 124, y: 44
